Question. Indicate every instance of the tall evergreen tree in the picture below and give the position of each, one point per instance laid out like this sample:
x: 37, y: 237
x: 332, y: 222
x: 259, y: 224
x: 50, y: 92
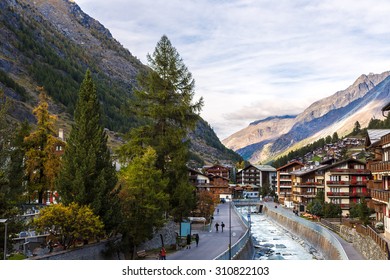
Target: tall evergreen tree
x: 165, y: 102
x: 42, y: 163
x: 88, y: 175
x: 143, y: 199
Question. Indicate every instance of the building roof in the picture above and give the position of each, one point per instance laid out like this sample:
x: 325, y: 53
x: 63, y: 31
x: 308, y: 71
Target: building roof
x: 374, y: 135
x: 263, y: 167
x: 342, y: 162
x: 295, y: 162
x: 307, y: 169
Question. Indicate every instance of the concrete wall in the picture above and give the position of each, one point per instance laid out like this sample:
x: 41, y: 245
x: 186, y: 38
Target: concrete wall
x: 317, y: 236
x: 247, y: 252
x: 364, y: 244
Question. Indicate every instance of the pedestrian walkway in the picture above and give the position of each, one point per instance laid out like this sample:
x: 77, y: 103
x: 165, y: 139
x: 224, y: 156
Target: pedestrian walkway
x: 212, y: 243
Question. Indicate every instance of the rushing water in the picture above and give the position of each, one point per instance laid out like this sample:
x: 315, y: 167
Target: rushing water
x: 273, y: 242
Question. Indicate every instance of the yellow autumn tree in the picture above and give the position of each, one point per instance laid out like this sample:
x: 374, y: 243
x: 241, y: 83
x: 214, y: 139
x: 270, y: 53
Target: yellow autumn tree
x: 42, y: 161
x: 70, y: 223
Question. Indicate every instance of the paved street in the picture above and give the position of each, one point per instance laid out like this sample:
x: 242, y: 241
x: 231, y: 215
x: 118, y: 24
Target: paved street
x: 212, y: 243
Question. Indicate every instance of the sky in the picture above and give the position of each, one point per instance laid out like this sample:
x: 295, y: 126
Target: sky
x: 252, y: 59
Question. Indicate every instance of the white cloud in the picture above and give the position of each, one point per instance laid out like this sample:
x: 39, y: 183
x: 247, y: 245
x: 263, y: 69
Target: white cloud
x: 252, y: 57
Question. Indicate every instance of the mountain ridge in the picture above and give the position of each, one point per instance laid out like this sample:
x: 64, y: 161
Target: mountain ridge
x: 335, y: 113
x: 51, y: 43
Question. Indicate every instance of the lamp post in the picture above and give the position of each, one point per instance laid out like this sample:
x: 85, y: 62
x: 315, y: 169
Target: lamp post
x: 230, y: 229
x: 4, y: 221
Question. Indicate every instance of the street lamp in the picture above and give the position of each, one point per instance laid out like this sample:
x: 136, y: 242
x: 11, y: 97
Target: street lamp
x: 4, y: 221
x: 230, y: 229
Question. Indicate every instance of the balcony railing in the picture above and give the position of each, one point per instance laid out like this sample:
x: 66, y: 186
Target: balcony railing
x: 337, y: 194
x: 385, y: 139
x: 349, y: 171
x: 375, y: 184
x: 347, y: 183
x: 381, y: 166
x: 305, y: 194
x: 308, y: 184
x: 348, y: 194
x: 380, y: 195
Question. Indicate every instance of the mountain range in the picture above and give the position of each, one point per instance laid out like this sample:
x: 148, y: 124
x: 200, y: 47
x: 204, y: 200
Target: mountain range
x: 265, y: 140
x: 51, y: 43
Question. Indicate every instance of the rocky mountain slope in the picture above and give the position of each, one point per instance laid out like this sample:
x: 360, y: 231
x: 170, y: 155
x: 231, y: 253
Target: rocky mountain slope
x: 51, y: 43
x: 337, y: 113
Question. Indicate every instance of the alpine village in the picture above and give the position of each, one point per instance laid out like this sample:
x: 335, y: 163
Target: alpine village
x: 100, y: 151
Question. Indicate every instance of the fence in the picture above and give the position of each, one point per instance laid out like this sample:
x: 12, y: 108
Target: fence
x: 369, y: 231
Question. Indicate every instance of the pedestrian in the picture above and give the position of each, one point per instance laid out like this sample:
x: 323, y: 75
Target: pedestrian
x: 217, y: 210
x: 222, y: 226
x: 188, y: 241
x: 163, y: 254
x: 216, y: 226
x: 197, y: 239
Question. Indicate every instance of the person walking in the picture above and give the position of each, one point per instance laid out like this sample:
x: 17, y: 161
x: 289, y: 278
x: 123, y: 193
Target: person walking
x: 188, y: 241
x: 216, y: 226
x: 222, y: 226
x: 197, y: 239
x: 163, y: 254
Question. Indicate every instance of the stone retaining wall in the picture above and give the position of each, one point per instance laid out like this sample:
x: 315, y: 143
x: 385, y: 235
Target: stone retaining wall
x: 364, y: 244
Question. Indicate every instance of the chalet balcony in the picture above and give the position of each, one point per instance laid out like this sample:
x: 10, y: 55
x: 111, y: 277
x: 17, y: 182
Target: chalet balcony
x: 337, y: 194
x: 309, y: 184
x: 304, y: 194
x: 351, y: 171
x: 346, y: 183
x: 347, y: 194
x: 385, y: 140
x: 375, y: 185
x: 380, y: 195
x: 382, y: 166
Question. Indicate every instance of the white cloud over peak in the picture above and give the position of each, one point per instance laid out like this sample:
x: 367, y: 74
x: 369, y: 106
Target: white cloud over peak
x: 251, y: 57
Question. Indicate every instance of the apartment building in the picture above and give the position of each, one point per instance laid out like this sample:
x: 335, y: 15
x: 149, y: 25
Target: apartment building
x: 258, y: 175
x: 284, y: 182
x: 346, y: 183
x: 378, y: 142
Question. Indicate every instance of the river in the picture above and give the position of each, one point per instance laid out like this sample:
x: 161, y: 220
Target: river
x: 273, y: 242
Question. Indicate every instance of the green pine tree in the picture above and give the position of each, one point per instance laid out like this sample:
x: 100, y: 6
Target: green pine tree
x: 143, y: 199
x: 88, y: 176
x: 165, y: 102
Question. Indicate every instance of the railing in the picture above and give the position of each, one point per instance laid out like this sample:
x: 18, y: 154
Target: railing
x: 337, y: 194
x: 375, y: 184
x: 347, y: 183
x: 240, y: 244
x: 381, y: 195
x: 369, y: 231
x: 379, y: 166
x: 350, y: 171
x: 348, y: 194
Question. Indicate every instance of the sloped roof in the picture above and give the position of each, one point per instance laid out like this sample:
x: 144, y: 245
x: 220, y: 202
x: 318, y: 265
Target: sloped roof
x: 374, y: 135
x: 295, y: 162
x: 307, y: 170
x: 265, y: 167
